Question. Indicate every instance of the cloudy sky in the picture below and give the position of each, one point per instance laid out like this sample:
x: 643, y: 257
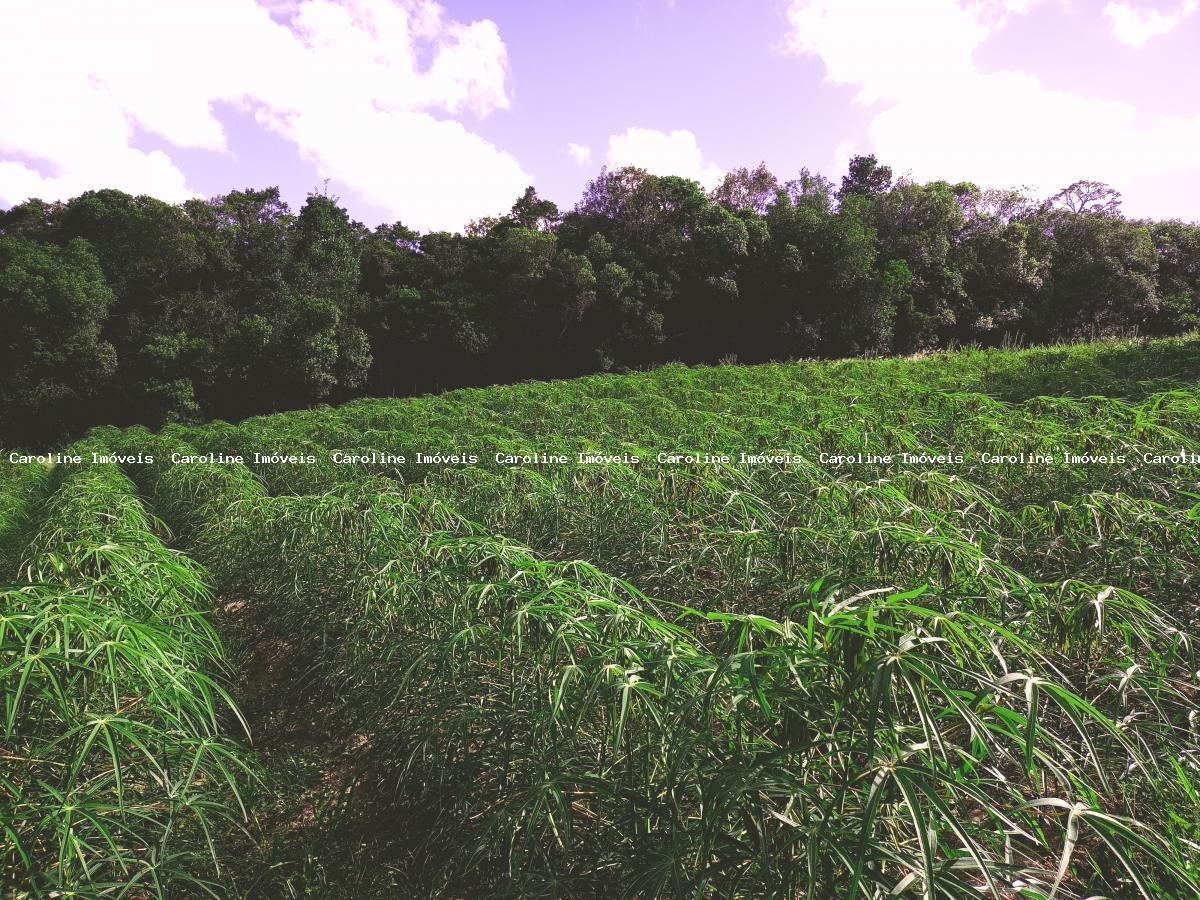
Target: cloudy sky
x: 437, y: 113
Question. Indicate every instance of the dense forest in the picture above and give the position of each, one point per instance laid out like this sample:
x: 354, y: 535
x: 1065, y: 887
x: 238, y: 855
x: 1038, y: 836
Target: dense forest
x: 121, y: 309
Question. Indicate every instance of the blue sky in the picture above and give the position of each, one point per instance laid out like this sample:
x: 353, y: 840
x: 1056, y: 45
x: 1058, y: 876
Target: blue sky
x: 437, y: 113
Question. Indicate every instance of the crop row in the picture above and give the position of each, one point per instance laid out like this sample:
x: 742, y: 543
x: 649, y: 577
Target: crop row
x: 117, y: 736
x: 1070, y: 578
x: 20, y: 489
x: 544, y: 727
x: 803, y: 424
x: 694, y: 407
x: 1130, y: 528
x: 1065, y: 563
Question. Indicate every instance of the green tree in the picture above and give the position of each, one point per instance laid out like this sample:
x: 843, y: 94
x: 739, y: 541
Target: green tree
x: 1177, y: 249
x: 1004, y: 257
x: 811, y: 286
x: 924, y: 225
x: 747, y: 190
x: 152, y: 260
x: 319, y: 342
x: 866, y: 178
x: 1102, y: 277
x: 53, y: 359
x: 533, y: 213
x: 234, y: 306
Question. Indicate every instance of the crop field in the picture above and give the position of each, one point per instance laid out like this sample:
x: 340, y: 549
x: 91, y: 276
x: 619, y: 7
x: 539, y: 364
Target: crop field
x: 829, y: 671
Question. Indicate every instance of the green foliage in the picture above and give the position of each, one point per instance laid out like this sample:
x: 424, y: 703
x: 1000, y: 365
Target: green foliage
x: 719, y: 680
x: 237, y: 306
x: 53, y: 303
x: 21, y: 490
x: 119, y: 765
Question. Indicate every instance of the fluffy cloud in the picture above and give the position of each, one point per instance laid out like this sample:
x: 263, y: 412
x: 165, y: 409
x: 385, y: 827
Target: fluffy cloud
x: 662, y: 153
x: 365, y: 89
x: 581, y: 153
x: 940, y: 116
x: 1136, y: 26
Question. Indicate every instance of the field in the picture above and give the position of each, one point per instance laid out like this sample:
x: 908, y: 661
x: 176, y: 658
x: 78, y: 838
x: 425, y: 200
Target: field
x: 794, y: 678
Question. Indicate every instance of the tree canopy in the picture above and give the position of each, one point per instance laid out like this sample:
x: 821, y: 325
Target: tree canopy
x: 120, y: 309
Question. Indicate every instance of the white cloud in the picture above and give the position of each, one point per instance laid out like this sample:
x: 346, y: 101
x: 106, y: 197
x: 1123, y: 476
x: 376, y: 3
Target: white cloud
x: 662, y: 153
x: 888, y: 49
x: 1134, y: 26
x: 581, y: 153
x: 943, y: 117
x: 364, y: 88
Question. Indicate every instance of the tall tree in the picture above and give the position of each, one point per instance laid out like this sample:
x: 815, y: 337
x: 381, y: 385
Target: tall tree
x: 1177, y: 249
x: 1089, y: 197
x: 320, y: 345
x: 1102, y: 278
x: 532, y: 212
x: 866, y: 178
x: 744, y: 189
x: 234, y: 306
x: 53, y: 360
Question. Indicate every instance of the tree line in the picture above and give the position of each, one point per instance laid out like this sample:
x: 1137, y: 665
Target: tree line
x: 121, y: 309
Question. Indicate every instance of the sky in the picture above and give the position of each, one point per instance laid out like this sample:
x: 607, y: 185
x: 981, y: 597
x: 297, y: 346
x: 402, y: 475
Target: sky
x: 435, y: 114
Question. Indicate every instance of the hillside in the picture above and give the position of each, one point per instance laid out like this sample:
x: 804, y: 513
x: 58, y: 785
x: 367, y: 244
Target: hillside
x: 120, y: 309
x: 924, y: 626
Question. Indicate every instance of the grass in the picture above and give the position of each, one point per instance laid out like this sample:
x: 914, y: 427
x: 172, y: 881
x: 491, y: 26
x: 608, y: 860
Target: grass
x: 117, y: 731
x: 796, y: 680
x: 21, y: 489
x: 551, y: 662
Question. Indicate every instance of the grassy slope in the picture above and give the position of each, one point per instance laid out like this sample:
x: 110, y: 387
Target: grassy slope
x: 315, y: 582
x: 679, y: 535
x: 1120, y: 369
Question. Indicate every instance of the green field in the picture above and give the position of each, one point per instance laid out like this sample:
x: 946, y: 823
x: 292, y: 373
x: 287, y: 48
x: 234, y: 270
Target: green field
x: 795, y: 678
